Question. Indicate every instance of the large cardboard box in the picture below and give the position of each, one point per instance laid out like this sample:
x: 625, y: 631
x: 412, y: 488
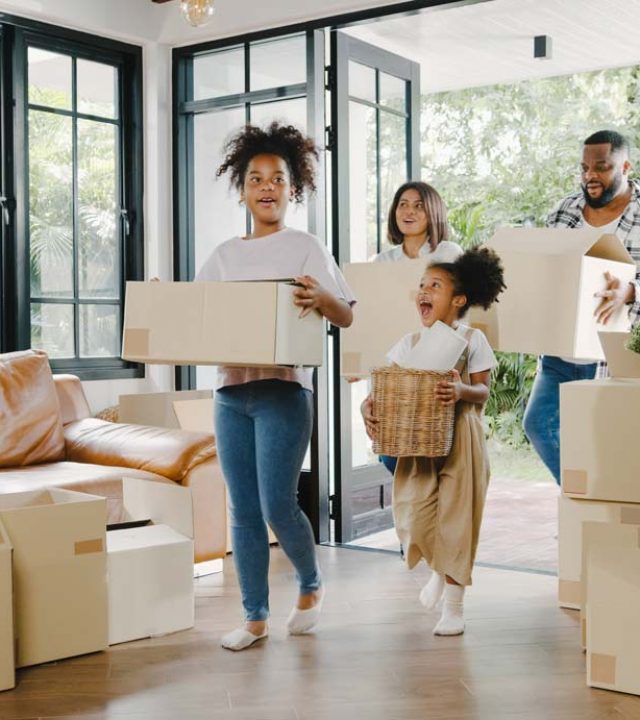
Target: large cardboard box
x: 613, y: 606
x: 572, y: 514
x: 151, y: 567
x: 219, y: 323
x: 7, y: 660
x: 552, y: 275
x: 386, y: 311
x: 156, y: 409
x: 59, y: 573
x: 599, y: 431
x: 150, y: 582
x: 622, y: 363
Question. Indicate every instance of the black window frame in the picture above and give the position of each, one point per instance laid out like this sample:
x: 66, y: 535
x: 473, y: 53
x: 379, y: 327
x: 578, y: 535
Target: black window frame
x: 16, y: 35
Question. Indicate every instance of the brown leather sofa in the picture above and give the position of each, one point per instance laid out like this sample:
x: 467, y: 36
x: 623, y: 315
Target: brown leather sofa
x: 49, y: 439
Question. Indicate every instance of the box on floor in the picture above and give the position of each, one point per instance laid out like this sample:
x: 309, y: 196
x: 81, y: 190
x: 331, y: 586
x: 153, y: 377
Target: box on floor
x: 59, y: 573
x: 151, y: 567
x: 612, y: 610
x: 599, y: 431
x: 572, y: 514
x: 219, y: 323
x: 7, y: 660
x: 552, y: 275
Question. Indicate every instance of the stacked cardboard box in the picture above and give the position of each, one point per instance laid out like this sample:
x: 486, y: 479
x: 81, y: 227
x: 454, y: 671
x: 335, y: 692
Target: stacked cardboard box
x: 599, y: 515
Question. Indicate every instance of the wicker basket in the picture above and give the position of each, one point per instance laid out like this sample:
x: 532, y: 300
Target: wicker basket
x: 411, y: 421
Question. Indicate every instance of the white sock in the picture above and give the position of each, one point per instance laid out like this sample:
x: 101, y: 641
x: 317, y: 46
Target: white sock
x: 241, y: 638
x: 432, y: 592
x: 452, y: 620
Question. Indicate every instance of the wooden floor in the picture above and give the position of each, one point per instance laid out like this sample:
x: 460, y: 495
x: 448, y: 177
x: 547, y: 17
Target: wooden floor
x: 373, y: 658
x: 519, y: 526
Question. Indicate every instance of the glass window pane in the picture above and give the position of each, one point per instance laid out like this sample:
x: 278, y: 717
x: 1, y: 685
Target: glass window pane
x: 50, y: 204
x: 219, y: 73
x: 99, y: 331
x: 362, y: 81
x: 393, y: 161
x: 217, y: 209
x: 97, y: 88
x: 290, y: 112
x: 278, y: 62
x: 52, y: 329
x: 98, y: 212
x: 363, y: 183
x: 393, y: 92
x: 49, y: 78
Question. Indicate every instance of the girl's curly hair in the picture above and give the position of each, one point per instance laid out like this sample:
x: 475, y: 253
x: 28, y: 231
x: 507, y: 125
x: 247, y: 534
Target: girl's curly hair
x: 478, y: 274
x: 285, y: 141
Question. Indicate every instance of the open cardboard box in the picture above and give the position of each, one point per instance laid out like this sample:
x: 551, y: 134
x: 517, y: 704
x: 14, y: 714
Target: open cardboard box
x: 219, y: 323
x: 156, y: 409
x: 151, y: 567
x: 552, y: 275
x: 59, y: 573
x: 612, y: 611
x: 7, y: 659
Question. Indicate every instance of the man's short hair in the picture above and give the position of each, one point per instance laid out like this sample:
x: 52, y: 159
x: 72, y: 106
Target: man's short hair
x: 611, y: 137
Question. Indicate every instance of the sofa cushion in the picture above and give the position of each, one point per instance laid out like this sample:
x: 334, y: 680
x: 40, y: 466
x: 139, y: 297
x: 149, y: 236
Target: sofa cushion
x: 167, y: 452
x: 81, y: 477
x: 30, y: 424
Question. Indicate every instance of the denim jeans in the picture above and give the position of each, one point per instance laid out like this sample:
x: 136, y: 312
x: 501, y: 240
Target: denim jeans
x: 262, y: 432
x: 542, y: 416
x: 389, y: 462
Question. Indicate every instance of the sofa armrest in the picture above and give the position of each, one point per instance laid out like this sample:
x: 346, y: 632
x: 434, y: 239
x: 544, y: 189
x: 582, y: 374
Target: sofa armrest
x: 71, y: 398
x: 167, y: 452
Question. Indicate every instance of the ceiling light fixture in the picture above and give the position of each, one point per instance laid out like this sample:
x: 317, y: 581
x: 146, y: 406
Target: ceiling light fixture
x: 197, y: 12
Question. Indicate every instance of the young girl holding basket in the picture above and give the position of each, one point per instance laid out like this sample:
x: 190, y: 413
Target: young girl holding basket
x: 438, y: 502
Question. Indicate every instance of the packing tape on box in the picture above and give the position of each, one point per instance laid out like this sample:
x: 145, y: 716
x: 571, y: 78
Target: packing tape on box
x: 351, y: 363
x: 574, y: 481
x: 137, y: 341
x: 569, y: 591
x: 84, y: 547
x: 603, y: 668
x: 630, y: 515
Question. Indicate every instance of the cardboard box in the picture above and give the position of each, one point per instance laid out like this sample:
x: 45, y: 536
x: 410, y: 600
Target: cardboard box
x: 219, y: 323
x: 7, y: 660
x: 59, y: 573
x: 156, y: 409
x: 151, y: 567
x: 599, y: 431
x: 552, y: 275
x: 386, y: 311
x: 572, y: 514
x: 150, y: 582
x: 613, y: 607
x: 622, y: 363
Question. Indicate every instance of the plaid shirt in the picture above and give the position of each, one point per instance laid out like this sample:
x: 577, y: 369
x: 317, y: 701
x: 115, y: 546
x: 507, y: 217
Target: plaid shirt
x: 568, y: 213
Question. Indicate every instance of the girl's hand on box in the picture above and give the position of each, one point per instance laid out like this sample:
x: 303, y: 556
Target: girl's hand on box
x: 312, y: 296
x: 370, y: 422
x: 450, y: 391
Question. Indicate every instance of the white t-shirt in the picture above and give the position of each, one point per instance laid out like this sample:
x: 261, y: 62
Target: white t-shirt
x: 445, y: 252
x: 480, y: 354
x: 282, y: 255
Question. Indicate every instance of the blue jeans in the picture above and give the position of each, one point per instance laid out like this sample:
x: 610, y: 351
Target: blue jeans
x: 389, y: 462
x: 262, y: 432
x: 542, y: 416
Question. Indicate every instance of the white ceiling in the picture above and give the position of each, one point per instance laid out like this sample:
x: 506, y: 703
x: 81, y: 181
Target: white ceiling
x: 492, y: 42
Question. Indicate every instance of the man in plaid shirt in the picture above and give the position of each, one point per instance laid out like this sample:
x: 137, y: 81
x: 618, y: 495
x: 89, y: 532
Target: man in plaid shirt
x: 611, y: 202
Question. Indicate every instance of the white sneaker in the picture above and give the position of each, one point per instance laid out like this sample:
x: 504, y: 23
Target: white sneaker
x: 303, y: 621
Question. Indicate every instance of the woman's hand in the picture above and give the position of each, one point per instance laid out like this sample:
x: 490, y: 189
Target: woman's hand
x: 450, y: 391
x: 370, y: 422
x: 614, y: 296
x: 351, y: 379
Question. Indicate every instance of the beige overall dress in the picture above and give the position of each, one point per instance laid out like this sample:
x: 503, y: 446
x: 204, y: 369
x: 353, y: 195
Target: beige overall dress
x: 438, y: 502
